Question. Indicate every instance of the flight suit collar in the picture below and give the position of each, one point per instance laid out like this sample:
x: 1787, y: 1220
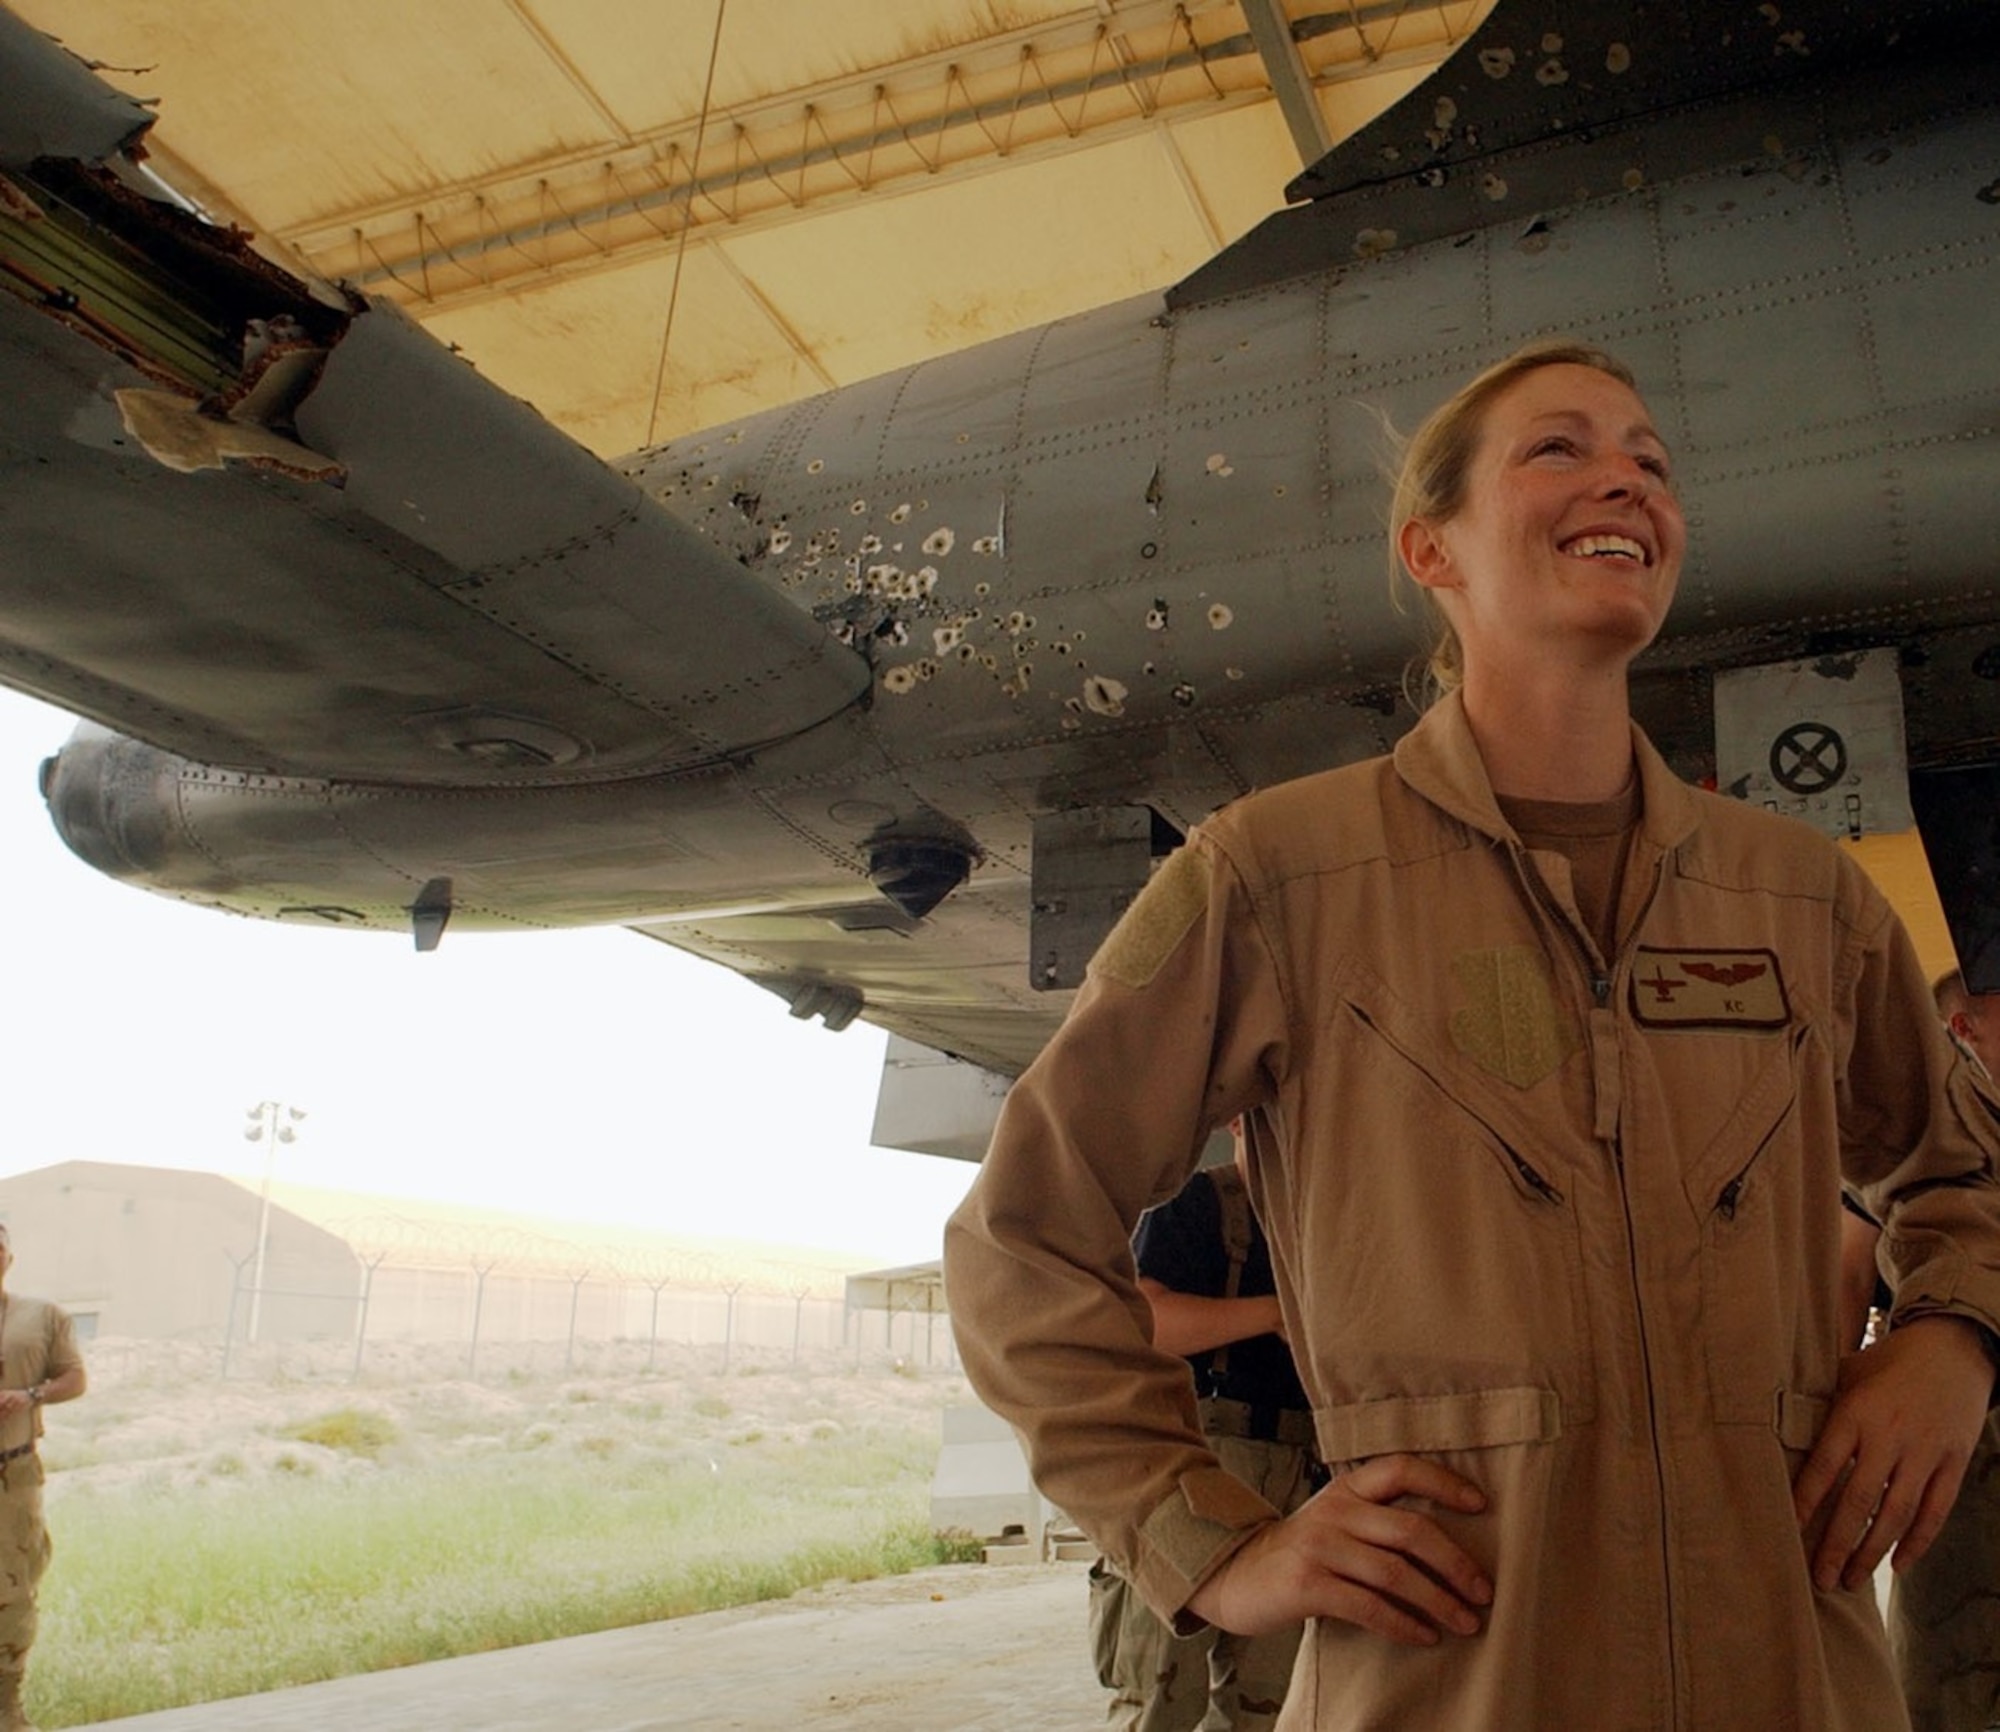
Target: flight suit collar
x: 1439, y: 760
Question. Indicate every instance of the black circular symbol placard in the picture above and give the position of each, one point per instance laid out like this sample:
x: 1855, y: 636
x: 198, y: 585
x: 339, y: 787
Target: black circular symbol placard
x: 1808, y: 758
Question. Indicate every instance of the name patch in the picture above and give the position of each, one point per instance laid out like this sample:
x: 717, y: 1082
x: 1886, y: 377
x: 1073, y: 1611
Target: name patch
x: 1708, y: 989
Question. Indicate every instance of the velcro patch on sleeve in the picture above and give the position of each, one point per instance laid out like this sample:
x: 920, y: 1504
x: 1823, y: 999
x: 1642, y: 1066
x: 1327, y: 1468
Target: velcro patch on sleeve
x: 1709, y: 989
x: 1148, y: 932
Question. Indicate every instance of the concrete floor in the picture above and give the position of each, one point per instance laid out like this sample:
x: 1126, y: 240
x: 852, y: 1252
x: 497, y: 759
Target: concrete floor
x: 959, y: 1648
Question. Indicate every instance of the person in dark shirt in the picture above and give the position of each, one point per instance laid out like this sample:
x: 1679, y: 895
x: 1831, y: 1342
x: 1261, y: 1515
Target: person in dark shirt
x: 1206, y: 1271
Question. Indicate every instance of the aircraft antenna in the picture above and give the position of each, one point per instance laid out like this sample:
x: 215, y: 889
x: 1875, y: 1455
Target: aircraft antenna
x: 687, y: 222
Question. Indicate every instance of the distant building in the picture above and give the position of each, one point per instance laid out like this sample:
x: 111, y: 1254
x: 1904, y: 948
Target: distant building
x: 157, y: 1253
x: 161, y: 1254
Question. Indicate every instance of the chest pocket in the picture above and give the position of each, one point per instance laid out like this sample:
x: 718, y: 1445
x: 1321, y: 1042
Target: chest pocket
x: 1446, y: 1259
x: 1748, y: 1191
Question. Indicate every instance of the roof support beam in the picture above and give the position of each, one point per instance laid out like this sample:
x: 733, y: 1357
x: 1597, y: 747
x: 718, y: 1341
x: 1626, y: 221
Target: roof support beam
x: 1271, y: 30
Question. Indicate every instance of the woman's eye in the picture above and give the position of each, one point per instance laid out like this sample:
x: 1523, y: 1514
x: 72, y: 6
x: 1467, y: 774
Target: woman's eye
x: 1555, y: 443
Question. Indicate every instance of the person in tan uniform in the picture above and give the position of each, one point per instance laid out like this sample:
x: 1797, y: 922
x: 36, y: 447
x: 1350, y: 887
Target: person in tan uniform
x: 39, y: 1366
x: 1944, y: 1610
x: 1553, y: 1068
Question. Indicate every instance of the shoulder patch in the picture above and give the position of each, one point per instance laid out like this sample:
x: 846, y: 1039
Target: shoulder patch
x: 1512, y: 1024
x: 1708, y: 989
x: 1148, y: 932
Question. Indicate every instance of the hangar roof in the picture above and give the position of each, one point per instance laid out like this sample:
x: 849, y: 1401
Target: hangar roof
x: 650, y: 218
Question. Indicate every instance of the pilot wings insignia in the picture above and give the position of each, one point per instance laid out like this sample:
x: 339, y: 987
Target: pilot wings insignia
x: 1726, y: 973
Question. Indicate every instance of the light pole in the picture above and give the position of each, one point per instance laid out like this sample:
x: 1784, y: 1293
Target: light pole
x: 270, y: 1123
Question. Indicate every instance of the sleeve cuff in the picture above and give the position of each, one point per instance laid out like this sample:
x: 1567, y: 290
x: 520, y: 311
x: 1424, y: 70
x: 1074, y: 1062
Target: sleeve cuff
x: 1207, y: 1518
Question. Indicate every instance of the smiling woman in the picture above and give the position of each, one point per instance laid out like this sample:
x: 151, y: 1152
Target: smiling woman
x: 1552, y: 1070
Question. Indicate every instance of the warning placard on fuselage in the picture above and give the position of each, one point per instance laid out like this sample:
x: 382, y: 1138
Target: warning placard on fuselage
x: 1820, y: 740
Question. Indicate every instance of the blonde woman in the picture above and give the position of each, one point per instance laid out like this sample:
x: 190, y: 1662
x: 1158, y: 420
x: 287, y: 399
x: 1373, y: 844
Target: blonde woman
x: 1552, y: 1067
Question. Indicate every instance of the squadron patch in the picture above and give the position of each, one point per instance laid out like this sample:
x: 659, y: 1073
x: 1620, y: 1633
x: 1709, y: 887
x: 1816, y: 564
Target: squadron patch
x: 1148, y: 931
x: 1511, y: 1024
x: 1708, y: 989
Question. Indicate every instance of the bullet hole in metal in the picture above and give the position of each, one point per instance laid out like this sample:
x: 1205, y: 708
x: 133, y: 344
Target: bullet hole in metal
x: 947, y: 638
x: 1534, y: 238
x: 1434, y: 176
x: 708, y: 483
x: 986, y: 544
x: 1632, y: 179
x: 1373, y: 243
x: 1017, y: 623
x: 1156, y: 616
x: 1183, y: 694
x: 870, y: 544
x: 901, y: 514
x: 1074, y: 705
x: 1061, y: 649
x: 962, y: 438
x: 1552, y: 43
x: 1793, y: 42
x: 1496, y: 62
x: 1104, y: 696
x: 1220, y: 617
x: 966, y: 652
x: 899, y: 680
x: 982, y: 589
x: 781, y: 541
x: 816, y: 465
x: 1010, y: 690
x: 1278, y: 492
x: 1072, y: 723
x: 1218, y: 464
x: 1153, y: 492
x: 1232, y: 673
x: 1493, y: 187
x: 1149, y: 549
x: 1551, y: 73
x: 939, y: 542
x: 893, y: 631
x: 1391, y: 154
x: 1444, y: 114
x: 1149, y: 668
x: 859, y: 507
x: 927, y: 669
x: 1617, y: 59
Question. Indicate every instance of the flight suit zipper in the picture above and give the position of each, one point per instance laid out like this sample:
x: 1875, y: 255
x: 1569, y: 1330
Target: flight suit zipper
x: 1599, y: 980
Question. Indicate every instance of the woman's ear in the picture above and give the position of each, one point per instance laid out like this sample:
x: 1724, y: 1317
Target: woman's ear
x: 1424, y: 555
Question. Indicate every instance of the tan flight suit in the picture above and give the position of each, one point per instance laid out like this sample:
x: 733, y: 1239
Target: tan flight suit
x: 1564, y: 1223
x: 37, y: 1343
x: 1944, y: 1611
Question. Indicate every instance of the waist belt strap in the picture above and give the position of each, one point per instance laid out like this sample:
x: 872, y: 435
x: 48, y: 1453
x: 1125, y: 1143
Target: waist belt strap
x: 1221, y: 1417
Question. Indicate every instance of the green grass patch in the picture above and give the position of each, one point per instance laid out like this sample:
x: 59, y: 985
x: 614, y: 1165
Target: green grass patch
x: 351, y: 1430
x: 163, y: 1596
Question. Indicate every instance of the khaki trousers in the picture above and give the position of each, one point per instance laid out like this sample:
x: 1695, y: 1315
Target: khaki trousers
x: 1944, y: 1612
x: 1212, y: 1681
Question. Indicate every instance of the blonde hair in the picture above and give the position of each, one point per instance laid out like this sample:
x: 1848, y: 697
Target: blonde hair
x: 1436, y: 463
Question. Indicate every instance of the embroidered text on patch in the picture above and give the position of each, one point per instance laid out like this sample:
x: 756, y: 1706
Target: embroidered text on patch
x: 1148, y: 931
x: 1708, y: 989
x: 1512, y: 1025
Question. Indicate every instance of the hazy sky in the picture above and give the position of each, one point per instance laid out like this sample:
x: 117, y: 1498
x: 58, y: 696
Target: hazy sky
x: 594, y: 1075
